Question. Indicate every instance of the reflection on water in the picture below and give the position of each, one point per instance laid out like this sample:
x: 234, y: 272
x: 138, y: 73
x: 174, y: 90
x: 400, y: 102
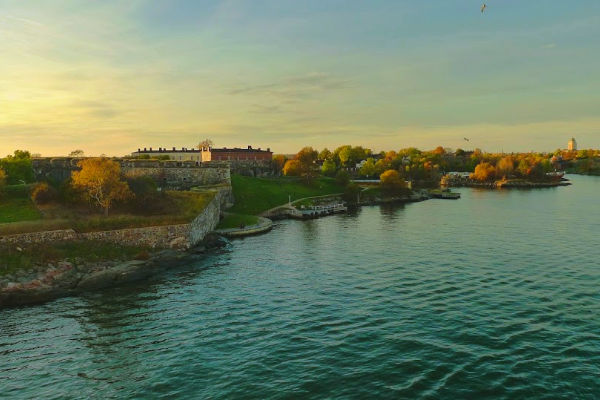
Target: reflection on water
x: 494, y: 295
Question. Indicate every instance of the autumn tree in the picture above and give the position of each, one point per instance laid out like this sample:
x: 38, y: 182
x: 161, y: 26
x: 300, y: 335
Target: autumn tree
x: 279, y: 162
x: 306, y: 159
x: 391, y: 182
x: 484, y: 172
x: 505, y: 167
x: 100, y: 181
x: 291, y: 168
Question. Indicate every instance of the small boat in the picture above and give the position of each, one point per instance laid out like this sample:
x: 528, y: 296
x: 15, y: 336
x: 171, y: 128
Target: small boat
x: 444, y: 194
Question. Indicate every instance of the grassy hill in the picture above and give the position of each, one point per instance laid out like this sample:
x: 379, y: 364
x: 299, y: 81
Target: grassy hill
x: 255, y: 195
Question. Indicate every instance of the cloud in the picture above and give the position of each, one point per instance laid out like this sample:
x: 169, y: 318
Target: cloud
x: 96, y: 109
x: 295, y: 87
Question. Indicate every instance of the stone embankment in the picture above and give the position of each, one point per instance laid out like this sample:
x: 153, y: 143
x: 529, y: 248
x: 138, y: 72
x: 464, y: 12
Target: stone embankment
x: 47, y: 282
x: 263, y: 225
x: 461, y: 181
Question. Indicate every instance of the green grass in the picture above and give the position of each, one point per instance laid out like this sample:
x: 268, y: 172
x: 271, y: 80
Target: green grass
x: 187, y: 207
x: 236, y: 220
x: 42, y: 254
x: 255, y: 195
x: 15, y: 205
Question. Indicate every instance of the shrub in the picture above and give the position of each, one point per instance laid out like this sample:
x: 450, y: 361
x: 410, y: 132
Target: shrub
x: 2, y: 179
x: 342, y: 177
x: 392, y: 183
x: 43, y: 193
x: 351, y: 193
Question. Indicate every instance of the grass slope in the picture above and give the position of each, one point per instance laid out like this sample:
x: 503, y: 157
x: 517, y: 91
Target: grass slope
x: 236, y: 220
x: 24, y: 217
x: 15, y: 205
x: 255, y: 195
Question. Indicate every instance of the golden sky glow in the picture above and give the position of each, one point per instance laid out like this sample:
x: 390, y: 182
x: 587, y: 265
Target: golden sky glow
x: 109, y: 77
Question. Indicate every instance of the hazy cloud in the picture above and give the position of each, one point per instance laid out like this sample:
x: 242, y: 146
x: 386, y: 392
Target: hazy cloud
x: 295, y: 87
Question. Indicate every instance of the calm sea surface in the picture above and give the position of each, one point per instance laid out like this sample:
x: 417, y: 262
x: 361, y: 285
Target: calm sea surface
x: 496, y: 295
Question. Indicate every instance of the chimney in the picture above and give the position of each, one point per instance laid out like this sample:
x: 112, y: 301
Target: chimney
x: 269, y: 149
x: 249, y: 147
x: 138, y: 149
x: 173, y: 148
x: 144, y: 149
x: 150, y: 148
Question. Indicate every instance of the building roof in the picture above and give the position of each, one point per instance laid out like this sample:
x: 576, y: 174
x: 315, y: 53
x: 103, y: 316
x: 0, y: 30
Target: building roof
x: 212, y: 150
x: 239, y: 150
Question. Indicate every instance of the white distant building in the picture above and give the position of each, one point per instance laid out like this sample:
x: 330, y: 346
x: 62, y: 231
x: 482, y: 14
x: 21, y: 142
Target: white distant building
x: 572, y: 146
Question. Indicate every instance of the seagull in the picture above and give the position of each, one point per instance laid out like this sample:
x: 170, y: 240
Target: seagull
x: 466, y: 139
x: 483, y: 7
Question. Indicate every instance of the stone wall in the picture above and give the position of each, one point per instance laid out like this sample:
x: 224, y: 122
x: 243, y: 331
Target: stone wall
x: 172, y: 174
x: 252, y: 167
x: 39, y: 237
x: 181, y: 236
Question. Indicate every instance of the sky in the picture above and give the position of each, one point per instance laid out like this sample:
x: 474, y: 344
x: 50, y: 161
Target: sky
x: 109, y: 77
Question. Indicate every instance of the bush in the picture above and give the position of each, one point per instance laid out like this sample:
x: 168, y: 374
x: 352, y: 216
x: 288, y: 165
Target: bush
x: 2, y: 179
x: 67, y: 194
x: 351, y: 193
x: 43, y: 193
x: 342, y: 177
x: 392, y: 183
x: 147, y: 200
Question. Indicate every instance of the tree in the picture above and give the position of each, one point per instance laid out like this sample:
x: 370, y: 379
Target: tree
x: 325, y: 154
x: 484, y: 172
x: 18, y: 167
x: 205, y: 143
x: 306, y: 159
x: 328, y: 168
x: 344, y: 153
x: 278, y: 162
x: 292, y: 168
x: 342, y: 177
x: 100, y: 181
x: 2, y: 179
x: 351, y: 194
x: 77, y: 153
x: 391, y: 182
x: 368, y: 169
x: 505, y: 167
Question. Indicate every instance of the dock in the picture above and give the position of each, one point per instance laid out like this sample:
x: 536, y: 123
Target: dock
x: 317, y: 211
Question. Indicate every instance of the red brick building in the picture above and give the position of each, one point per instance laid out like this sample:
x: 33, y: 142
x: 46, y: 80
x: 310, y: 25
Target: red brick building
x: 236, y: 154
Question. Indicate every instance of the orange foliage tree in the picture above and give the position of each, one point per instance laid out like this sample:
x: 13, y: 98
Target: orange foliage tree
x: 505, y: 167
x: 100, y: 181
x: 484, y: 172
x: 392, y: 182
x: 292, y: 168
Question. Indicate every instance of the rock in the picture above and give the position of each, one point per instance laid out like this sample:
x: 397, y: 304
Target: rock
x: 214, y: 241
x: 179, y: 243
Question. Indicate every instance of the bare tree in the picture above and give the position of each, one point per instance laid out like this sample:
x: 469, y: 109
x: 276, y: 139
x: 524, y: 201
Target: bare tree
x: 205, y: 143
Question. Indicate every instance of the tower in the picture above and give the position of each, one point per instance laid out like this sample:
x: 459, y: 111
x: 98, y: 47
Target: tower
x: 572, y: 146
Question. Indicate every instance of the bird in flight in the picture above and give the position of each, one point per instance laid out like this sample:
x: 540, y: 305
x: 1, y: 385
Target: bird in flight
x: 466, y: 139
x: 483, y: 7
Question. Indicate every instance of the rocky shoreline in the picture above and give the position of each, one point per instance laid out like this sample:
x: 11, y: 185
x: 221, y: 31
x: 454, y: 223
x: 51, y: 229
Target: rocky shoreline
x: 43, y: 283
